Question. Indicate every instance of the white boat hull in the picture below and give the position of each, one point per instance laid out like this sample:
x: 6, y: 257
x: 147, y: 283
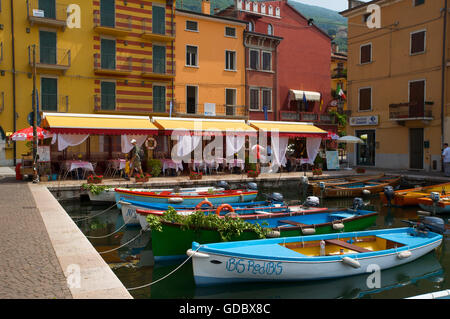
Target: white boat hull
x: 130, y: 217
x: 211, y: 268
x: 108, y: 195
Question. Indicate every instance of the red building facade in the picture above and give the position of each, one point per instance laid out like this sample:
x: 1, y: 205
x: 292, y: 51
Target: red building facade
x: 302, y: 59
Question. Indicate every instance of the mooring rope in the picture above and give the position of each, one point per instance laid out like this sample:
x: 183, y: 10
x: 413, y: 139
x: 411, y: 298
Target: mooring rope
x: 104, y: 211
x: 170, y: 273
x: 94, y: 237
x: 140, y: 233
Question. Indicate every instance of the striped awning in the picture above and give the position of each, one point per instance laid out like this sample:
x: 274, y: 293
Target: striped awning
x: 71, y: 123
x: 309, y: 95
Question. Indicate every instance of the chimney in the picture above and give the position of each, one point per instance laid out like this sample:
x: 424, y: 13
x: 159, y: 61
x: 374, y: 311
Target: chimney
x: 206, y: 7
x: 354, y: 3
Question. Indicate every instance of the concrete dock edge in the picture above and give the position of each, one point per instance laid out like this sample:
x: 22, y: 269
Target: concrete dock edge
x: 75, y: 253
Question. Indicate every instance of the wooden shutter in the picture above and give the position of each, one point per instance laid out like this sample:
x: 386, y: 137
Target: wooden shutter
x: 107, y: 13
x: 366, y: 53
x: 108, y: 54
x: 159, y: 98
x: 47, y: 47
x: 365, y: 99
x: 416, y: 98
x: 49, y: 96
x: 418, y: 42
x: 108, y: 92
x: 254, y: 99
x: 158, y: 20
x: 254, y: 57
x: 159, y: 59
x: 49, y: 8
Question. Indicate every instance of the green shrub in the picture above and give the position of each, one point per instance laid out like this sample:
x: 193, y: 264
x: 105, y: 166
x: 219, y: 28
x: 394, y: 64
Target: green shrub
x: 154, y: 167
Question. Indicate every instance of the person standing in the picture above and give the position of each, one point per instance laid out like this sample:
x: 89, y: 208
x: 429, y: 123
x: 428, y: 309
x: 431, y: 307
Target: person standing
x: 135, y: 159
x: 446, y: 159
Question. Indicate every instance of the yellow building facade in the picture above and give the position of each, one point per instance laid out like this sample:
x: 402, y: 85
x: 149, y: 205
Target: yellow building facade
x: 97, y: 57
x: 210, y: 64
x: 398, y: 83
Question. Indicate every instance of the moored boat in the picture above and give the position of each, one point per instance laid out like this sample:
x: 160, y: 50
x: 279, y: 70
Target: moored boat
x: 310, y: 257
x: 174, y: 239
x: 410, y: 197
x: 439, y: 206
x: 355, y: 189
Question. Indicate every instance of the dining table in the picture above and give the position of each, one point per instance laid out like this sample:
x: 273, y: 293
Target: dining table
x: 71, y: 165
x: 168, y: 163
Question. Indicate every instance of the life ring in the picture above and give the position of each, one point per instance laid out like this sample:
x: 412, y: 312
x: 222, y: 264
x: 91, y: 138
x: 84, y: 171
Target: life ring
x: 153, y: 146
x: 199, y: 205
x: 222, y: 207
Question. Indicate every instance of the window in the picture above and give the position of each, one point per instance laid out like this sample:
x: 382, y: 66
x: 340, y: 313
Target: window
x: 365, y: 99
x: 191, y: 25
x: 251, y: 27
x: 47, y: 48
x: 230, y: 60
x: 417, y: 98
x: 159, y: 59
x: 418, y: 2
x: 191, y: 55
x: 108, y: 95
x: 366, y: 53
x: 107, y: 13
x: 49, y: 94
x: 191, y: 99
x: 254, y: 59
x: 158, y: 20
x: 254, y: 99
x: 108, y: 54
x: 267, y: 61
x: 230, y: 32
x: 230, y: 101
x: 418, y: 42
x: 159, y: 98
x: 269, y: 29
x: 49, y: 8
x: 267, y: 99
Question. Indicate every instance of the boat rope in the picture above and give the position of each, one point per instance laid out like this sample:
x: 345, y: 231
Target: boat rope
x: 103, y: 211
x: 170, y: 273
x: 140, y: 233
x: 95, y: 237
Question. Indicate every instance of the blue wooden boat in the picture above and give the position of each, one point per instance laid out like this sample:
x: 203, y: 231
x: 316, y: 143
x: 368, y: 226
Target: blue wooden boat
x: 313, y: 257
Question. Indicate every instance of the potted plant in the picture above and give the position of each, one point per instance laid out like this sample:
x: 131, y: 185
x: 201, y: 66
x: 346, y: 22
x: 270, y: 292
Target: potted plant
x: 154, y: 166
x: 317, y: 171
x: 94, y: 179
x: 194, y: 175
x: 252, y: 173
x: 142, y: 178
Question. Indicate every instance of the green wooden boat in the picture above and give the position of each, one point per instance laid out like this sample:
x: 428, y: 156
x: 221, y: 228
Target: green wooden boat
x: 173, y: 241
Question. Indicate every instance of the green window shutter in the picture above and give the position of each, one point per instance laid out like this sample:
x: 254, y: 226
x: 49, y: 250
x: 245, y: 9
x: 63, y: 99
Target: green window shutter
x: 108, y: 54
x: 158, y: 20
x: 49, y: 8
x: 49, y: 94
x: 159, y: 98
x: 108, y: 92
x: 47, y: 47
x: 108, y: 13
x: 159, y: 59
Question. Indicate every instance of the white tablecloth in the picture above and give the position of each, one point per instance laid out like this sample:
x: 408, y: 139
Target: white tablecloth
x: 168, y: 163
x: 72, y: 165
x: 118, y: 163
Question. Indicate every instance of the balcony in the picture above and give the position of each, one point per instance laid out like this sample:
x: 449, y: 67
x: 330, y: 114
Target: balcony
x: 211, y: 110
x: 112, y: 64
x: 411, y: 111
x: 50, y: 59
x: 307, y: 117
x: 54, y: 103
x: 112, y: 24
x: 103, y: 103
x: 51, y: 16
x: 156, y: 70
x: 148, y: 33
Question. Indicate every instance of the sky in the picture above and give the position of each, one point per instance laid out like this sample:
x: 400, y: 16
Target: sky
x: 336, y: 5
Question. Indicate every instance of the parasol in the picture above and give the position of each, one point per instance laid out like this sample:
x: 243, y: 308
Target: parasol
x: 352, y: 140
x: 26, y: 134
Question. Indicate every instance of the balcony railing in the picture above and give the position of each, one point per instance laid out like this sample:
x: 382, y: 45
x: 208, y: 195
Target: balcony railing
x: 411, y: 111
x: 147, y: 32
x: 50, y: 58
x: 112, y: 64
x: 213, y: 110
x: 307, y: 117
x: 124, y: 103
x: 114, y: 24
x: 54, y: 103
x: 157, y: 69
x: 52, y: 16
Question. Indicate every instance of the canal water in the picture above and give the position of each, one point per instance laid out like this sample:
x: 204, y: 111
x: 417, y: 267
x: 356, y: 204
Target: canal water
x: 134, y: 266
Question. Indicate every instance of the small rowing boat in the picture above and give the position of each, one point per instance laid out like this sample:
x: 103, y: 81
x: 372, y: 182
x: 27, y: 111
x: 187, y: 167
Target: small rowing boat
x: 310, y: 257
x: 410, y: 197
x: 356, y: 189
x: 174, y: 239
x: 439, y: 206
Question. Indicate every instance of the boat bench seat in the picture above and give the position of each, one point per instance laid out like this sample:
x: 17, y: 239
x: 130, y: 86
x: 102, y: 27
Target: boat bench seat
x: 290, y: 222
x: 347, y: 245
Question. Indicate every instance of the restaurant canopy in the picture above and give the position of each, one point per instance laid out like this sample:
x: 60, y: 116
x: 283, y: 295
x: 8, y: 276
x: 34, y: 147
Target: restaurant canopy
x: 289, y: 129
x: 309, y: 95
x: 72, y: 123
x: 202, y: 126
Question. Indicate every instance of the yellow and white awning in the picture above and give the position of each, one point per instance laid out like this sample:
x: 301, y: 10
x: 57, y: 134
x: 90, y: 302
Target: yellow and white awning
x: 290, y: 129
x: 309, y: 95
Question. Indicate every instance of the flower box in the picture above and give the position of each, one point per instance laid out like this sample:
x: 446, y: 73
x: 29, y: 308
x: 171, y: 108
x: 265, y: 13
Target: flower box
x: 195, y: 176
x: 317, y: 171
x: 142, y: 178
x: 360, y: 170
x: 97, y: 179
x: 252, y: 174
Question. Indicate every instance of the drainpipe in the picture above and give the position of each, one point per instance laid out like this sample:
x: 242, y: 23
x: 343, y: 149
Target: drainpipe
x: 173, y: 55
x: 13, y: 79
x: 444, y: 69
